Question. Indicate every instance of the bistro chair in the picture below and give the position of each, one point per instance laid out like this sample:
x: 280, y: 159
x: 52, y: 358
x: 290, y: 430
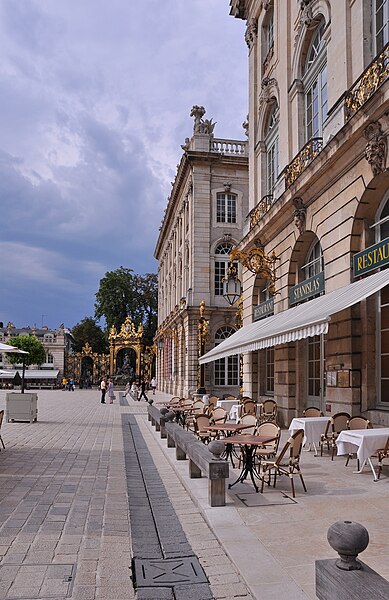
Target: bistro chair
x: 335, y: 425
x: 229, y: 397
x: 218, y: 415
x: 251, y: 422
x: 212, y: 402
x: 382, y: 454
x: 267, y: 411
x: 195, y: 408
x: 268, y: 450
x: 248, y: 407
x: 1, y: 421
x: 357, y: 423
x: 286, y: 463
x: 200, y: 422
x: 312, y: 411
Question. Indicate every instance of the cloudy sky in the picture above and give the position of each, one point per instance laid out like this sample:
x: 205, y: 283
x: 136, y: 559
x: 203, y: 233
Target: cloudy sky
x: 95, y: 97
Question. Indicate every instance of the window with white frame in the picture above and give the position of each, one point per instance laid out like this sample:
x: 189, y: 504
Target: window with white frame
x: 315, y: 85
x: 382, y: 232
x: 271, y: 143
x: 49, y: 358
x: 268, y: 36
x: 226, y: 369
x: 222, y: 259
x: 314, y: 262
x: 226, y: 208
x: 381, y: 24
x: 269, y: 364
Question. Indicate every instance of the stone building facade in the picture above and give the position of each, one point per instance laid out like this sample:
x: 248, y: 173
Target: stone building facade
x: 319, y: 200
x: 203, y: 221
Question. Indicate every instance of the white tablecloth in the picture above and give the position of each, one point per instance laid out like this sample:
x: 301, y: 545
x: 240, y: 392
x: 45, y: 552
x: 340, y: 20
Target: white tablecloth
x: 234, y: 412
x: 368, y: 441
x: 313, y: 427
x: 226, y: 404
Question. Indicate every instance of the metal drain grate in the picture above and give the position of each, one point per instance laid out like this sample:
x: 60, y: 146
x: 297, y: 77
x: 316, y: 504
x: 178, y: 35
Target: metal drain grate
x: 30, y: 582
x: 168, y: 572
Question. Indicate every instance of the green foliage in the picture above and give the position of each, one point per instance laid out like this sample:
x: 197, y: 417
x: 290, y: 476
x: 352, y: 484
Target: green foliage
x: 89, y: 331
x: 29, y: 343
x: 122, y: 294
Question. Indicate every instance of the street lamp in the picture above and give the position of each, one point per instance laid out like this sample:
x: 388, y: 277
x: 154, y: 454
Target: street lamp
x: 232, y: 286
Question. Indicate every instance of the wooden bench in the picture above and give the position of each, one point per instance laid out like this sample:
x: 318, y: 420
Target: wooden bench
x: 201, y: 460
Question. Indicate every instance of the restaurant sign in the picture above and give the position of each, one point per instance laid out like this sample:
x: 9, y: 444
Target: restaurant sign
x: 306, y: 289
x: 265, y: 309
x: 371, y: 258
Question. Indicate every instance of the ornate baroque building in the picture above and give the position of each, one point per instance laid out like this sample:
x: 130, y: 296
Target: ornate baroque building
x: 319, y: 200
x: 203, y: 221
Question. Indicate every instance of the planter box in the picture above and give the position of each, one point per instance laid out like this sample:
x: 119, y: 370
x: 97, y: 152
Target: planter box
x: 21, y: 407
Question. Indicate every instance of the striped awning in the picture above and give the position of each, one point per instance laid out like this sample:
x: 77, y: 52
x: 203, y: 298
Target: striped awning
x: 302, y: 321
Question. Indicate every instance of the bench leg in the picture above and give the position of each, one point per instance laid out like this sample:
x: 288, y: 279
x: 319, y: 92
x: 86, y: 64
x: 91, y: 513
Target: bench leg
x: 163, y: 431
x: 194, y: 471
x: 157, y: 426
x: 170, y: 442
x: 217, y: 492
x: 180, y: 453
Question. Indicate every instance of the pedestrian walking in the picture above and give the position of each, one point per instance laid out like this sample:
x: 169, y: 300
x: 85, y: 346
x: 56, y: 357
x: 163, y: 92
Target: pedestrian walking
x: 153, y: 384
x: 134, y: 391
x: 64, y: 383
x: 143, y: 388
x: 110, y: 391
x: 103, y: 388
x: 71, y: 384
x: 127, y: 389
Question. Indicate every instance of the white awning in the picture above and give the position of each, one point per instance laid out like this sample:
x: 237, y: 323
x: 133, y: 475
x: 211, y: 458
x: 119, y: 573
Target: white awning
x: 30, y: 373
x: 302, y: 321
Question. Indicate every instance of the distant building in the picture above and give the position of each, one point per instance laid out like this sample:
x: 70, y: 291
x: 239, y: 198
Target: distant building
x: 319, y: 199
x: 57, y: 343
x: 203, y: 222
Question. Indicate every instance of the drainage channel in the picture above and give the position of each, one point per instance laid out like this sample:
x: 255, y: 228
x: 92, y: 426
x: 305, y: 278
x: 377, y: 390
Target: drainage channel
x: 164, y: 566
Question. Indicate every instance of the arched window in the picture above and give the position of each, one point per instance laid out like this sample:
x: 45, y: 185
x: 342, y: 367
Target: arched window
x: 314, y: 261
x: 49, y: 358
x: 222, y: 258
x: 271, y: 143
x: 225, y: 208
x: 226, y: 369
x: 381, y: 24
x: 315, y: 84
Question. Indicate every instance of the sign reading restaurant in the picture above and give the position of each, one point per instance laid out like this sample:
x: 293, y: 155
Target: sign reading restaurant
x: 306, y: 289
x: 265, y: 309
x: 371, y: 258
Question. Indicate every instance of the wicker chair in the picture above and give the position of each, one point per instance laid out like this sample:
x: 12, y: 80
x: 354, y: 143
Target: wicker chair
x: 335, y: 425
x: 357, y: 423
x: 382, y: 454
x: 312, y: 411
x: 251, y: 422
x: 268, y: 450
x: 267, y: 412
x: 1, y: 421
x: 200, y: 422
x: 212, y: 402
x: 248, y: 408
x: 218, y: 415
x: 284, y: 464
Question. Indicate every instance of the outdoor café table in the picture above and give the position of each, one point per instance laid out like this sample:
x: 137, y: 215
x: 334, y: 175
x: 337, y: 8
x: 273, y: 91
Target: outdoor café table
x: 365, y: 442
x: 228, y: 429
x: 226, y: 404
x: 235, y: 412
x: 313, y: 428
x: 248, y: 445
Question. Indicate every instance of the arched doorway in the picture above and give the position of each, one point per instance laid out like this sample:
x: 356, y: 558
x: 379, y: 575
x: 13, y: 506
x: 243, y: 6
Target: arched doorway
x: 86, y: 372
x: 126, y: 364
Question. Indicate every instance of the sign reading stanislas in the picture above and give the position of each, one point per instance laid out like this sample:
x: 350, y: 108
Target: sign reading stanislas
x: 371, y: 258
x: 306, y: 289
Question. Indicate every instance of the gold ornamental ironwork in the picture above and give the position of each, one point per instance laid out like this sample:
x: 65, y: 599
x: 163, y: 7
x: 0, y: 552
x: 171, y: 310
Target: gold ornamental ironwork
x: 368, y: 83
x: 302, y: 160
x: 263, y: 206
x: 256, y: 261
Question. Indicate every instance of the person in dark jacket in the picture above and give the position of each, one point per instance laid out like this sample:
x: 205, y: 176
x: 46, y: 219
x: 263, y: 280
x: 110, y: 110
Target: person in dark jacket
x: 143, y: 388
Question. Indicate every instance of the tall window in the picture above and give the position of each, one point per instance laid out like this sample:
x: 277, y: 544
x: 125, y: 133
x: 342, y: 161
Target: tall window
x: 226, y: 369
x: 271, y: 143
x: 222, y: 253
x: 382, y: 232
x: 49, y: 358
x: 269, y: 358
x: 381, y: 24
x: 315, y: 85
x: 226, y: 208
x: 314, y: 261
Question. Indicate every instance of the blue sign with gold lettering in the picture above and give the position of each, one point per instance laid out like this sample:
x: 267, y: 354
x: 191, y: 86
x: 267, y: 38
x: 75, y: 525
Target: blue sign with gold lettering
x: 306, y: 289
x: 371, y: 258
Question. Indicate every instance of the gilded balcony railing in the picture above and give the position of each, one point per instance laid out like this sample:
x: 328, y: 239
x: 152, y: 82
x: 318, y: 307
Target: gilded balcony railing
x: 302, y: 160
x: 263, y: 206
x: 368, y: 83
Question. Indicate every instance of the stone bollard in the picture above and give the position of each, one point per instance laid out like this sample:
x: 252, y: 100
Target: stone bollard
x: 348, y: 578
x: 162, y: 420
x: 216, y: 448
x: 169, y: 418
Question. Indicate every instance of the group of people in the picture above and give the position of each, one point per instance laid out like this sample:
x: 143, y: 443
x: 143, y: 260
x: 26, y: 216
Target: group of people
x: 137, y: 392
x: 106, y: 388
x: 68, y: 384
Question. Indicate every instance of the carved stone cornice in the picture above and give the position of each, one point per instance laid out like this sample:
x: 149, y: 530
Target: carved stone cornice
x: 268, y: 86
x: 306, y: 18
x: 251, y: 32
x: 376, y: 147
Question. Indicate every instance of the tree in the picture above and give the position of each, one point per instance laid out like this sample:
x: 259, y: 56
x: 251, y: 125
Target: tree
x: 29, y: 343
x: 122, y: 294
x: 89, y: 331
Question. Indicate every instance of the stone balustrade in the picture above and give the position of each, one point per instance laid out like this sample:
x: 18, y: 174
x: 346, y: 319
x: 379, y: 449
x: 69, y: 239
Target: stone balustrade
x: 235, y: 147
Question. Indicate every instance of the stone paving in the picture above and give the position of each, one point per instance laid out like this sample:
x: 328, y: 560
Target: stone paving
x: 65, y: 505
x: 70, y: 506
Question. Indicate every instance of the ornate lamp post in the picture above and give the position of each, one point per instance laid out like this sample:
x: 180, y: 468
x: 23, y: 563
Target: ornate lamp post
x: 202, y: 330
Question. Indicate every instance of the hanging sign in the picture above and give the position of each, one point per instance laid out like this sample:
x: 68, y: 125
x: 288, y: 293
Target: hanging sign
x: 306, y: 289
x: 265, y: 309
x: 371, y: 258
